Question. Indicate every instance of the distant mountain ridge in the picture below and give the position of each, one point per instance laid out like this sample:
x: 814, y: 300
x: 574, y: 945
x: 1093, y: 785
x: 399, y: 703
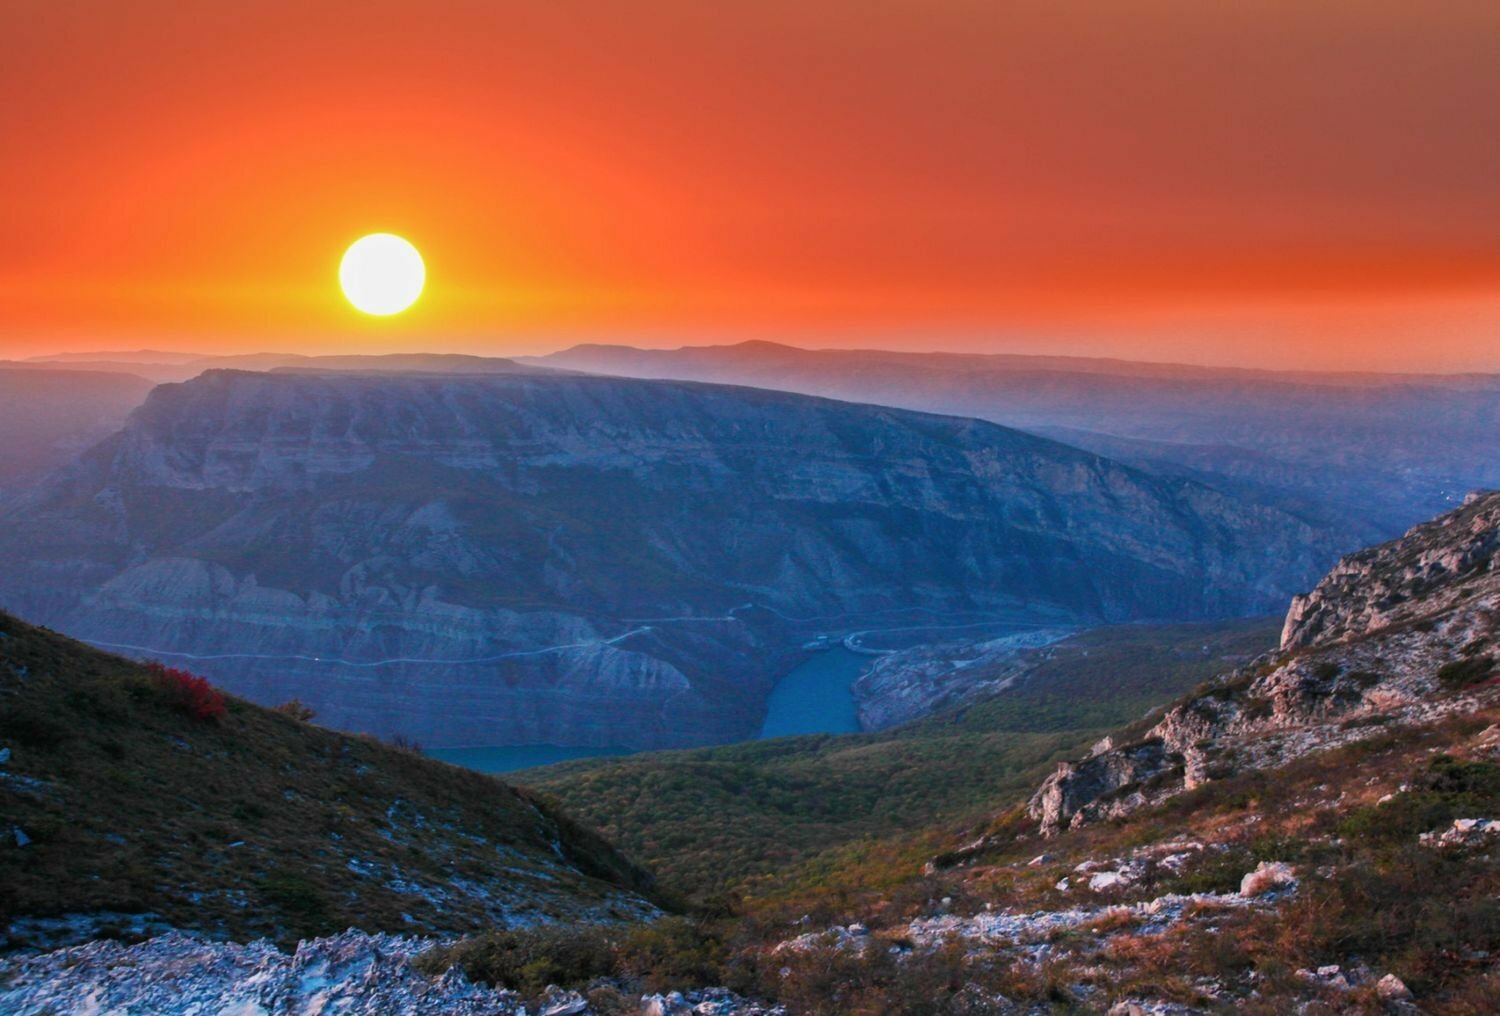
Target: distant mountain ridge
x: 49, y: 416
x: 519, y: 558
x: 162, y: 366
x: 1369, y: 453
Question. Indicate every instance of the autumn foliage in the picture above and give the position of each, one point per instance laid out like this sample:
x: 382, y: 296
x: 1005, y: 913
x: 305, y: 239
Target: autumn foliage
x: 188, y: 692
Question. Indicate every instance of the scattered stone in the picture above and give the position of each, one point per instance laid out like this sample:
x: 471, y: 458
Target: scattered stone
x: 564, y: 1003
x: 855, y: 938
x: 1103, y: 880
x: 1036, y: 861
x: 1038, y: 927
x: 1392, y: 989
x: 1464, y: 832
x: 1267, y: 876
x: 351, y: 974
x: 672, y: 1004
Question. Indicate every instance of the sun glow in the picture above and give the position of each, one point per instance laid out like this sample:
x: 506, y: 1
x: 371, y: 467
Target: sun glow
x: 382, y: 274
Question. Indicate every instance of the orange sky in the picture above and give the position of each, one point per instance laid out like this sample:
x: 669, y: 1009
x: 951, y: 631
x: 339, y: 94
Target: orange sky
x: 1298, y: 182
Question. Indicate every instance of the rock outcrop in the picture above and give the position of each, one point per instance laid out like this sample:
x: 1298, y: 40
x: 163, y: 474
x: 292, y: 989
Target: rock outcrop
x: 1397, y: 634
x: 501, y: 559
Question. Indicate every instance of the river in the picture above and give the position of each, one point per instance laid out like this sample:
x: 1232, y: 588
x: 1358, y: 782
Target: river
x: 812, y: 699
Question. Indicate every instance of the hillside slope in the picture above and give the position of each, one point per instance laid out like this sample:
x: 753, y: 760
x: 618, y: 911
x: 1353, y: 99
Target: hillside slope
x: 122, y: 811
x: 579, y: 560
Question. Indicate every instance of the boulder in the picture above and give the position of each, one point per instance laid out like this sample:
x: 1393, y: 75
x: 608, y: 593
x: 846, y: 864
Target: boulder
x: 1268, y: 875
x: 671, y: 1004
x: 1392, y: 989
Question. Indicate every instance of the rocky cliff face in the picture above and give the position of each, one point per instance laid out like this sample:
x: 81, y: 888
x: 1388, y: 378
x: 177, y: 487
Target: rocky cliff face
x: 512, y: 559
x: 1402, y: 633
x: 1370, y: 453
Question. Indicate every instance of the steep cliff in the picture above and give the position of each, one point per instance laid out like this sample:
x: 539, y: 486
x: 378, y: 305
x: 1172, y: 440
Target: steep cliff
x: 510, y: 558
x: 1370, y: 453
x: 1397, y: 635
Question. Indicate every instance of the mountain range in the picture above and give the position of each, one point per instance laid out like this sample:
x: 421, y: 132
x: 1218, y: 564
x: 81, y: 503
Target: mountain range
x: 541, y: 557
x: 1370, y: 454
x: 54, y: 407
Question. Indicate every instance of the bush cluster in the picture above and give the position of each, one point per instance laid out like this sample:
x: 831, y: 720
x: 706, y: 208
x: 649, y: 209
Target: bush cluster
x: 1462, y: 673
x: 296, y: 709
x: 188, y: 692
x: 673, y: 953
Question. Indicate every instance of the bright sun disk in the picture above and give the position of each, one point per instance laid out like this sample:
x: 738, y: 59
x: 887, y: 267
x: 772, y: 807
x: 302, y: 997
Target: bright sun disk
x: 382, y: 274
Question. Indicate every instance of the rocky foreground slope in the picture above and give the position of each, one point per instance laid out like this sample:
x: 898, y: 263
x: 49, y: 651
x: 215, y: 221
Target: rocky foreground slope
x: 351, y: 974
x: 1314, y: 833
x: 526, y: 559
x: 1400, y: 634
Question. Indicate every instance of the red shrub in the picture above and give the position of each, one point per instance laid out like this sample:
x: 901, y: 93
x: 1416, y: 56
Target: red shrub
x: 188, y: 692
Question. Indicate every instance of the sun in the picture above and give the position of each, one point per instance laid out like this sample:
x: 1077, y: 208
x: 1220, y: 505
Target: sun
x: 382, y: 274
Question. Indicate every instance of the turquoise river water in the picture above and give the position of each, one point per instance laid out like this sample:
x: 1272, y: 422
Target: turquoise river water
x: 812, y: 699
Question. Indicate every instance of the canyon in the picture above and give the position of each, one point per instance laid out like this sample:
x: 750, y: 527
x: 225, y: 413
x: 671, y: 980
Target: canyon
x: 539, y: 557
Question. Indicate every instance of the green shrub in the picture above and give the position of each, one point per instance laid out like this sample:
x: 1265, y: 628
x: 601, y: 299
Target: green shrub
x: 1463, y: 673
x: 32, y: 728
x: 1326, y: 670
x: 1447, y: 789
x: 296, y: 709
x: 1257, y: 708
x: 1216, y: 873
x: 674, y: 953
x: 527, y: 960
x: 303, y: 906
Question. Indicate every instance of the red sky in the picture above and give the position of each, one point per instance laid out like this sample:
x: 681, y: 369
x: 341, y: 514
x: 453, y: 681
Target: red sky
x: 1292, y: 182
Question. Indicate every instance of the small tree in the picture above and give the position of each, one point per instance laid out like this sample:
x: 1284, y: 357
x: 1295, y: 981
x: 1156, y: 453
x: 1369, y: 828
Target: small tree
x: 296, y: 709
x: 403, y: 743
